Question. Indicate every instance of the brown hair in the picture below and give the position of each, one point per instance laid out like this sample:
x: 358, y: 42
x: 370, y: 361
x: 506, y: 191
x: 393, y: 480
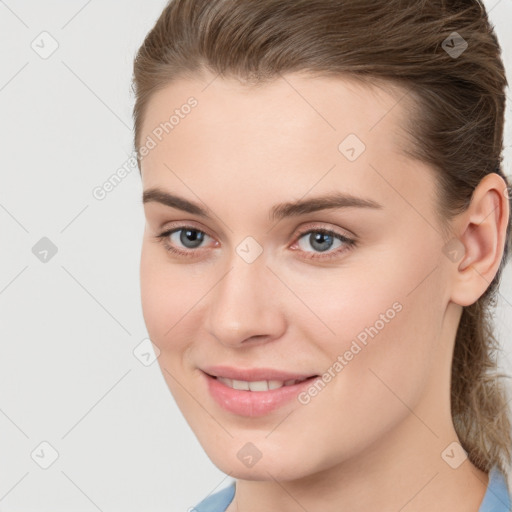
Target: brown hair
x: 456, y: 110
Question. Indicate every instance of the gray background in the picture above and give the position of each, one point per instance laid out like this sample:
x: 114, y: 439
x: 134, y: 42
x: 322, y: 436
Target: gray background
x: 69, y: 326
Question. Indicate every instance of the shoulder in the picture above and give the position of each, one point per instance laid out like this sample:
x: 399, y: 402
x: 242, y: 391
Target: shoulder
x: 497, y: 496
x: 217, y: 502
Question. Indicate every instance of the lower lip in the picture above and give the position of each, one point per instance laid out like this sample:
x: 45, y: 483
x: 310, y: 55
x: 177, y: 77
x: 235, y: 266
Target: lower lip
x: 253, y: 403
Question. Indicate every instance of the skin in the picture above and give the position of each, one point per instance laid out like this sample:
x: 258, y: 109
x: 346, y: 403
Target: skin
x: 373, y: 438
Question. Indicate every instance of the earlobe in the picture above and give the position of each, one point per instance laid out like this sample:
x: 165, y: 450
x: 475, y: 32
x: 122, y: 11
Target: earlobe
x: 482, y: 232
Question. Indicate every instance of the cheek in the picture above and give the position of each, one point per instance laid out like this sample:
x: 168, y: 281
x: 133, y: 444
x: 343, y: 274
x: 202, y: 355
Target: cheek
x: 158, y: 287
x: 382, y: 320
x: 170, y: 298
x: 153, y: 301
x: 381, y: 358
x: 386, y: 332
x: 164, y: 300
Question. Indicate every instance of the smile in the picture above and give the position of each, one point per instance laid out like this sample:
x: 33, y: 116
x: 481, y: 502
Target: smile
x: 253, y: 398
x: 258, y: 385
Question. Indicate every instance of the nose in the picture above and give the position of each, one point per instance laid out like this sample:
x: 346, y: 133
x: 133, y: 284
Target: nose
x: 243, y: 307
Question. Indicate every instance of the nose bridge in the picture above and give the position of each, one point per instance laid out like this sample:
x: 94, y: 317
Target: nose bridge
x: 240, y: 305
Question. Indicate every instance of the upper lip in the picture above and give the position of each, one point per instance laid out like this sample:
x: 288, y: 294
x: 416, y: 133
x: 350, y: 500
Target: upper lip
x: 253, y: 374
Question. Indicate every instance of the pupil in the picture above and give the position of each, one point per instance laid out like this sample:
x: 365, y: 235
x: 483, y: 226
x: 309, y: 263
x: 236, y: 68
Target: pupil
x: 191, y: 235
x: 318, y: 238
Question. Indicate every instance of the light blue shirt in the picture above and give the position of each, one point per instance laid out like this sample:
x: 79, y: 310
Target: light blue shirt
x: 496, y: 498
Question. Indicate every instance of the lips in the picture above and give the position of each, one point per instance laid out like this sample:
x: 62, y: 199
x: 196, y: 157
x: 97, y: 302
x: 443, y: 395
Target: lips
x: 254, y: 374
x: 252, y: 402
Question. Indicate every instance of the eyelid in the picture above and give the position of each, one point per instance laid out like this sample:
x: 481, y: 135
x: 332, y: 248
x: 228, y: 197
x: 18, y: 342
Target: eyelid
x: 179, y: 225
x: 297, y: 233
x: 311, y: 226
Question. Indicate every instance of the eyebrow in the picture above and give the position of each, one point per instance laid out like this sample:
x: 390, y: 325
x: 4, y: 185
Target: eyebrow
x: 279, y: 211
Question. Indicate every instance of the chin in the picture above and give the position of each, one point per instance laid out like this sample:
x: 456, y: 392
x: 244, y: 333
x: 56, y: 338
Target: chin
x: 235, y: 461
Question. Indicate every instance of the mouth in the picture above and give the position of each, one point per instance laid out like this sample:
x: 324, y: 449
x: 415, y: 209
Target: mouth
x: 254, y: 398
x: 259, y: 385
x: 255, y: 374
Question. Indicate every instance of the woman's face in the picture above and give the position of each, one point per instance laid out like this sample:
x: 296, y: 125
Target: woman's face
x: 255, y: 285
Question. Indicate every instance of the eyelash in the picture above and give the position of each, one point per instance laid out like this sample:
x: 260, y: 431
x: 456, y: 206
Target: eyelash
x: 349, y: 243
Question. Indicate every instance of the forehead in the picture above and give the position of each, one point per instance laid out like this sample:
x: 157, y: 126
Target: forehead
x: 292, y: 132
x: 294, y: 104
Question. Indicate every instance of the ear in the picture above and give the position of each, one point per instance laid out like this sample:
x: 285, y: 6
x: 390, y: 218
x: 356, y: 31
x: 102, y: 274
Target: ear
x: 481, y: 230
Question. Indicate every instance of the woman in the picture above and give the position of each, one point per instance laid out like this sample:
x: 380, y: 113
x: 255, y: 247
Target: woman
x: 327, y: 220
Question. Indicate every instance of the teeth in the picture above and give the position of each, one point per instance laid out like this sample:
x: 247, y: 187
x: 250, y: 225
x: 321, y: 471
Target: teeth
x: 259, y: 385
x: 228, y: 382
x: 240, y: 384
x: 275, y: 384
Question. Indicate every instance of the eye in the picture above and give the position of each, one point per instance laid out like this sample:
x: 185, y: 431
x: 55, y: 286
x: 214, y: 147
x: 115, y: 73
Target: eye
x: 322, y: 240
x: 187, y: 236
